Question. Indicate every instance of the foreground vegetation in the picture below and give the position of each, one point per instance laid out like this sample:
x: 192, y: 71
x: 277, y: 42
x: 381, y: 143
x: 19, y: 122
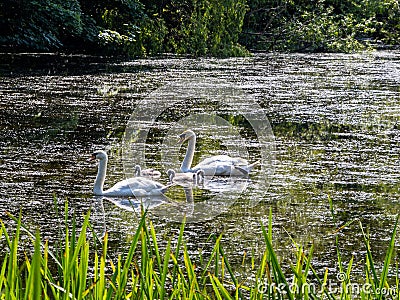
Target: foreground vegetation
x: 197, y: 27
x: 81, y: 269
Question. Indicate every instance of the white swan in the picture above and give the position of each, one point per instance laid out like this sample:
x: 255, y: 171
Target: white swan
x: 146, y: 172
x: 138, y: 186
x: 214, y: 165
x: 194, y: 178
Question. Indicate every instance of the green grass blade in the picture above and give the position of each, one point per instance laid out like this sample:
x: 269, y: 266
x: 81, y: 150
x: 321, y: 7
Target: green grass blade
x: 13, y: 280
x: 189, y: 268
x: 122, y: 273
x: 34, y: 282
x: 3, y: 281
x: 270, y: 224
x: 370, y: 259
x: 32, y: 236
x: 146, y: 264
x: 280, y: 277
x: 76, y: 247
x: 215, y: 287
x: 219, y: 289
x: 155, y: 245
x: 177, y: 250
x: 212, y: 257
x: 165, y: 270
x: 230, y: 271
x: 388, y: 258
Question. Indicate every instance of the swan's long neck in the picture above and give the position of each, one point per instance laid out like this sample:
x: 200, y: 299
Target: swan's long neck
x: 101, y: 176
x: 187, y: 162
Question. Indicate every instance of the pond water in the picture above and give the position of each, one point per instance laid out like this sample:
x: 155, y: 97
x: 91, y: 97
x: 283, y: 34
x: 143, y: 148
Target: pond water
x: 334, y: 139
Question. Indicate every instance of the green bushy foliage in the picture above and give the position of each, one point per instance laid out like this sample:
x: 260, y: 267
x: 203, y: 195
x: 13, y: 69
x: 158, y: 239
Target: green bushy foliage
x: 197, y: 27
x: 119, y: 25
x: 322, y: 25
x: 40, y: 24
x: 214, y: 28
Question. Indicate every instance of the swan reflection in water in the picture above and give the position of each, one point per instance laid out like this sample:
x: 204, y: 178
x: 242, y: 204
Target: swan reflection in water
x: 137, y: 204
x: 131, y: 204
x: 203, y: 201
x: 225, y: 184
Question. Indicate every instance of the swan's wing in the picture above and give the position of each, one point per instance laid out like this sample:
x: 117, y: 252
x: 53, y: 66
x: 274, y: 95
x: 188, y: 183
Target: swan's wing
x: 128, y: 183
x: 146, y: 184
x: 224, y: 165
x: 246, y: 169
x: 137, y: 186
x: 216, y: 159
x: 223, y: 160
x: 243, y: 171
x: 217, y: 165
x: 121, y: 189
x: 216, y: 168
x: 238, y: 161
x: 223, y: 170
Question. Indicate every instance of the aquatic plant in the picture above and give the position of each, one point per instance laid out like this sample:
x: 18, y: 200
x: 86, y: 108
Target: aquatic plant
x: 78, y: 270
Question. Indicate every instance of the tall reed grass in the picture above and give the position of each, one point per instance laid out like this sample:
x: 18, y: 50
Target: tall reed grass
x: 78, y: 270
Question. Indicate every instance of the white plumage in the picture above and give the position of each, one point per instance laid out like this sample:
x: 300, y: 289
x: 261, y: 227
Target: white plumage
x: 214, y: 165
x: 137, y: 186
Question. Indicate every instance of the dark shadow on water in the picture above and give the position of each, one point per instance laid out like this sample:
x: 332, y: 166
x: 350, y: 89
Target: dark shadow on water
x: 39, y: 64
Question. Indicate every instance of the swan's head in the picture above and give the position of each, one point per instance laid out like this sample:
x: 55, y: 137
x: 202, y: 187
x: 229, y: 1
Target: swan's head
x: 138, y: 170
x: 200, y: 173
x: 186, y: 135
x: 100, y: 155
x: 171, y: 174
x: 199, y: 176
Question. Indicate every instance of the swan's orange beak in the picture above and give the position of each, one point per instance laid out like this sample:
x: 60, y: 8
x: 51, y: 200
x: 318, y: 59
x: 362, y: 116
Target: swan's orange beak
x: 92, y: 158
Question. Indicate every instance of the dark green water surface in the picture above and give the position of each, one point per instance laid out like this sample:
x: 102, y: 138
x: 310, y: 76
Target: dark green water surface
x: 334, y: 118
